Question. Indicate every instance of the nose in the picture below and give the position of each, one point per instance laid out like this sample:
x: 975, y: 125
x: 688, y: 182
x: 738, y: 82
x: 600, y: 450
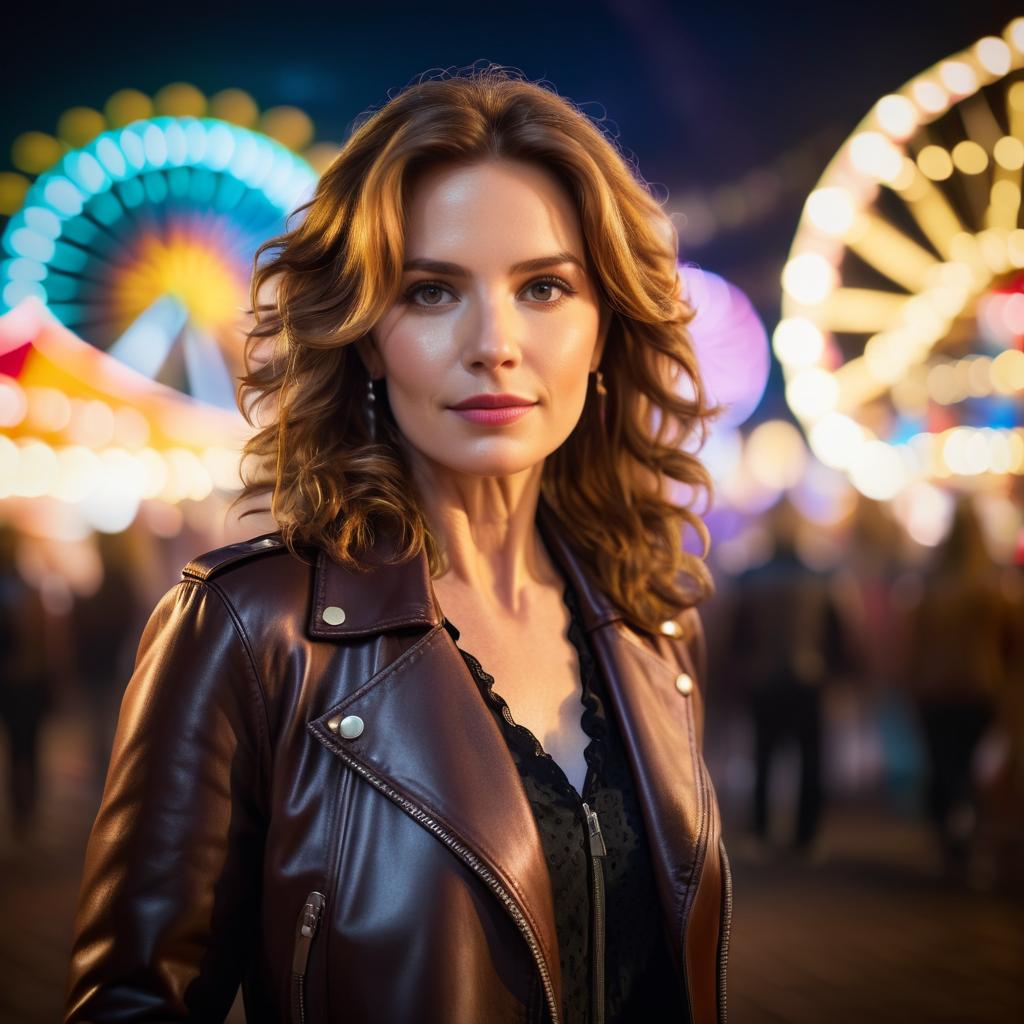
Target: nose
x: 493, y: 334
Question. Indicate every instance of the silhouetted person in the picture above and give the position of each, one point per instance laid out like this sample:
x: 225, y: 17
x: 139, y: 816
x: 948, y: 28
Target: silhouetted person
x: 786, y: 641
x: 956, y: 668
x: 105, y: 629
x: 26, y: 693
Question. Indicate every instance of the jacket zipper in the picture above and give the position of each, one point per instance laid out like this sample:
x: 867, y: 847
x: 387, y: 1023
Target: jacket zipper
x: 305, y: 930
x: 723, y: 942
x: 476, y: 864
x: 598, y: 851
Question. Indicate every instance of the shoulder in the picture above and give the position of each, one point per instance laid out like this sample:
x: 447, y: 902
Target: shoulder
x: 219, y: 561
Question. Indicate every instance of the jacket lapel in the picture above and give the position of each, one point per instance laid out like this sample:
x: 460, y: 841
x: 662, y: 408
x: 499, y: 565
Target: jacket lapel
x: 431, y: 744
x: 659, y: 725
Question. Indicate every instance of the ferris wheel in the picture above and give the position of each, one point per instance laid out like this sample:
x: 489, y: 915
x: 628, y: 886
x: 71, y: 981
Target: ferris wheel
x: 141, y: 242
x: 903, y: 309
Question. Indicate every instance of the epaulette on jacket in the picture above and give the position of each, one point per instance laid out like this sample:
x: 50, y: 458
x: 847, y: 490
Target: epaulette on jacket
x: 213, y: 563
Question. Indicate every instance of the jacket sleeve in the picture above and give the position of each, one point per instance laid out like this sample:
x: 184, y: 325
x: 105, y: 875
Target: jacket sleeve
x: 168, y: 909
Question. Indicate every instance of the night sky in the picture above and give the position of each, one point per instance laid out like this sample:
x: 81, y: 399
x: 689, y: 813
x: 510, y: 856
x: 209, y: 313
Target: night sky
x: 701, y: 95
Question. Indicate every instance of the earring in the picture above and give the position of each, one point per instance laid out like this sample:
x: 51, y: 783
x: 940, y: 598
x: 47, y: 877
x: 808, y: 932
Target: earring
x: 602, y: 392
x: 371, y: 408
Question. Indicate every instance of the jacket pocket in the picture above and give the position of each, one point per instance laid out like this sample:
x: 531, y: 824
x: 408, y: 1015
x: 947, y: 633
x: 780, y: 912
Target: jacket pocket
x: 305, y: 931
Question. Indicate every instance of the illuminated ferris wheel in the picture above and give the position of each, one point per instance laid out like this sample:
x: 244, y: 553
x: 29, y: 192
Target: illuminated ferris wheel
x: 141, y: 242
x: 903, y: 311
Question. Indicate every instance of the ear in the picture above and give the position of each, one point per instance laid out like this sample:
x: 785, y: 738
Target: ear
x: 604, y: 323
x: 366, y: 348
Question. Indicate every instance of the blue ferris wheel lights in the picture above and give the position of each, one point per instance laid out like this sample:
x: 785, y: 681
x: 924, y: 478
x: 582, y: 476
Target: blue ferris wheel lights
x: 63, y: 195
x: 131, y: 145
x: 86, y: 172
x: 195, y: 141
x: 21, y: 268
x: 40, y: 219
x: 111, y: 157
x: 29, y: 243
x: 220, y: 147
x: 154, y: 145
x: 16, y: 291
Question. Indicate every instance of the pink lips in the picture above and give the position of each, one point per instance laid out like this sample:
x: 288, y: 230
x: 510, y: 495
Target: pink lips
x: 494, y: 417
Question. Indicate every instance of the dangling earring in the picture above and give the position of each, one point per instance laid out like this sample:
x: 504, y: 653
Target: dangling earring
x: 602, y: 391
x: 371, y: 408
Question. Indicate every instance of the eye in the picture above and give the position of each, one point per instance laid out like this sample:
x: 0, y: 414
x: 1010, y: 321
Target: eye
x: 431, y: 291
x: 544, y: 288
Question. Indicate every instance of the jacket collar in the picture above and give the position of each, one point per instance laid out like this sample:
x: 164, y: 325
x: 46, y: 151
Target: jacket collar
x: 390, y: 595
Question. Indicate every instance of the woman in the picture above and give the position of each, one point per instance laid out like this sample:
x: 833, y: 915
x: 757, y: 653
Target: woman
x: 431, y: 751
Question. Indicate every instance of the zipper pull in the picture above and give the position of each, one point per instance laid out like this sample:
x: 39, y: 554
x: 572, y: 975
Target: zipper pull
x: 597, y: 847
x: 305, y: 929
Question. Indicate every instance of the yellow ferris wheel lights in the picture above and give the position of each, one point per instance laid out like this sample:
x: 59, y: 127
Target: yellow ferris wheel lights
x: 969, y: 158
x: 958, y: 77
x: 930, y: 96
x: 897, y: 116
x: 831, y: 210
x: 945, y: 385
x: 78, y: 473
x: 993, y: 55
x: 1014, y: 34
x: 13, y: 189
x: 236, y: 106
x: 1016, y: 439
x: 879, y: 471
x: 891, y: 252
x: 992, y: 244
x: 49, y: 410
x: 127, y: 105
x: 36, y: 471
x: 1009, y: 153
x: 13, y: 403
x: 835, y: 440
x: 78, y: 126
x: 1015, y: 247
x: 180, y: 99
x: 935, y: 163
x: 812, y: 393
x: 798, y: 342
x: 290, y: 126
x: 1007, y: 371
x: 809, y: 278
x: 875, y: 156
x: 34, y: 152
x: 155, y: 474
x: 1004, y: 206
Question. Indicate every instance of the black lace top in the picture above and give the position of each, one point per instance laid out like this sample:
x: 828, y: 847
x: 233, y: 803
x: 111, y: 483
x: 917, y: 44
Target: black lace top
x: 640, y: 981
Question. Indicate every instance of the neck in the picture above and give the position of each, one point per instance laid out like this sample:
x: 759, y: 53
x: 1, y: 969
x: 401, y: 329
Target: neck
x: 487, y: 529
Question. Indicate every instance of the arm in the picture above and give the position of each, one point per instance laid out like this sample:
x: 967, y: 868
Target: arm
x: 168, y: 909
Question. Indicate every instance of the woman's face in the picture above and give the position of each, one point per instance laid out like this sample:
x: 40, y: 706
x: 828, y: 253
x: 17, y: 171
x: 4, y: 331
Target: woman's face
x: 495, y: 300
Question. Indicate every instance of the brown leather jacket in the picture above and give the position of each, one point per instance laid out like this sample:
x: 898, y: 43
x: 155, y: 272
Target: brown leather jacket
x: 390, y: 877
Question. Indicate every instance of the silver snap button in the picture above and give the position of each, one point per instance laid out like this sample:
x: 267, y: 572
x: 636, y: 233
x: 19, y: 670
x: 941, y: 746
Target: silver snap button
x: 671, y: 628
x: 684, y: 684
x: 351, y: 727
x: 334, y: 722
x: 333, y: 615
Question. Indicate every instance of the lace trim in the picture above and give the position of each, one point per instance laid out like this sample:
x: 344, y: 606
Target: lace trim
x: 521, y: 740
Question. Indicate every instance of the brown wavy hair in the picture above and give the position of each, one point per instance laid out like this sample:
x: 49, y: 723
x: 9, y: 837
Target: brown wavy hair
x: 334, y: 274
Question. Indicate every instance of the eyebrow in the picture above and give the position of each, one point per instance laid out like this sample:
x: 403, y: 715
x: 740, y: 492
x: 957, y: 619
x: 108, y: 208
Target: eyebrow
x: 454, y: 270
